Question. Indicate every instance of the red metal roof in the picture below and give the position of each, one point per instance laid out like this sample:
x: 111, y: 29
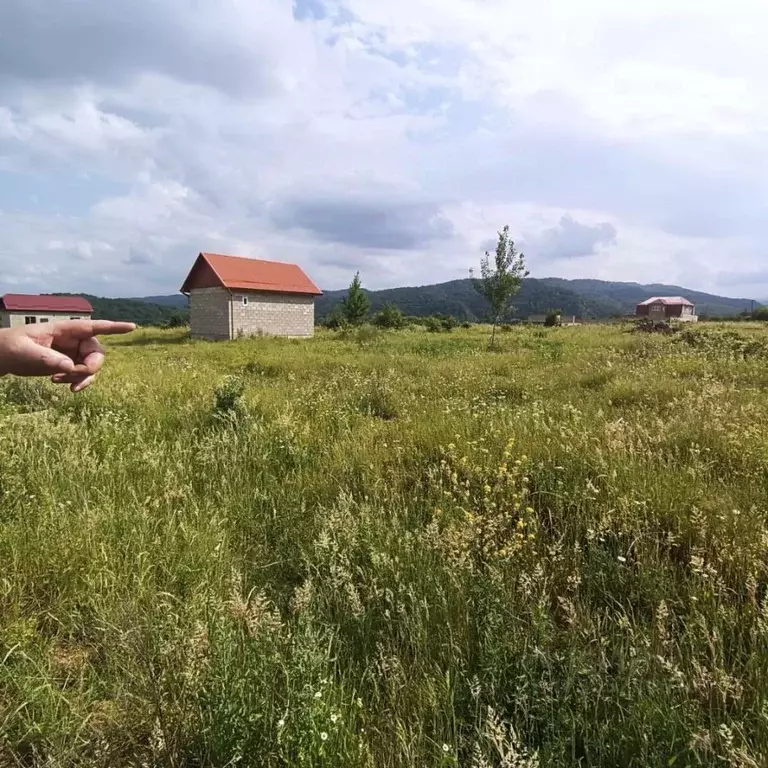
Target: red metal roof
x: 20, y: 302
x: 238, y: 273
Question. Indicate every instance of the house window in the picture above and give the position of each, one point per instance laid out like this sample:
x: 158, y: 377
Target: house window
x: 29, y: 320
x: 245, y: 301
x: 74, y: 318
x: 43, y: 320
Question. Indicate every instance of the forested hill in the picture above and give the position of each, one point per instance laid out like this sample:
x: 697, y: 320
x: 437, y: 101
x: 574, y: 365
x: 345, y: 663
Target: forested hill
x: 460, y: 299
x: 624, y: 297
x: 590, y: 298
x: 133, y: 310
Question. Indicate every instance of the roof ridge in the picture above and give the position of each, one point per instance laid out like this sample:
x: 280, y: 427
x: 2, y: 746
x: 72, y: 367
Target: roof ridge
x: 247, y: 273
x: 248, y: 258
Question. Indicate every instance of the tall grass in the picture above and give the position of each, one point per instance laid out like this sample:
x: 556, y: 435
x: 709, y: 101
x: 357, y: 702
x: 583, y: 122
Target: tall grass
x: 404, y: 552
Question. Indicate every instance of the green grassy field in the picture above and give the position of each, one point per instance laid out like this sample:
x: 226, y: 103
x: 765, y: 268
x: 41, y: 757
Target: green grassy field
x: 391, y: 550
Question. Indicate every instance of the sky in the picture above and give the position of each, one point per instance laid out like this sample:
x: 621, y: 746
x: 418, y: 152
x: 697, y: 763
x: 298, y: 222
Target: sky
x: 620, y: 141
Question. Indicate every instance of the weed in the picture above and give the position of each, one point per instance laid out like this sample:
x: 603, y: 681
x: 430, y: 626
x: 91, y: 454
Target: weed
x: 228, y: 399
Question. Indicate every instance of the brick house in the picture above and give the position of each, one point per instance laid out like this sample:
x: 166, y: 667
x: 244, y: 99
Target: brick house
x: 22, y: 309
x: 230, y: 296
x: 663, y: 308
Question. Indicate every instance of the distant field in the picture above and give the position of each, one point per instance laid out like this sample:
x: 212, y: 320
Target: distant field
x: 391, y: 550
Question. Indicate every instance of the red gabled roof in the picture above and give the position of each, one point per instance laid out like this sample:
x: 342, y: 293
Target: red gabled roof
x: 238, y: 273
x: 20, y: 302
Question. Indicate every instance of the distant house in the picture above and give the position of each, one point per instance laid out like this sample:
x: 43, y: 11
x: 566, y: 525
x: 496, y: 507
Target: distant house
x: 561, y: 319
x: 537, y: 319
x: 663, y: 308
x: 22, y: 309
x: 231, y: 296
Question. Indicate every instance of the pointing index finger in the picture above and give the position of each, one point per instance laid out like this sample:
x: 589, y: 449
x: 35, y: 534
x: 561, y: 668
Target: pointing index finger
x: 84, y: 329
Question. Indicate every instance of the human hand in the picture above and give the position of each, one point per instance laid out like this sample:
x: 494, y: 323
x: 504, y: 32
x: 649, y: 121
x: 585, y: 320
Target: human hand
x: 67, y: 351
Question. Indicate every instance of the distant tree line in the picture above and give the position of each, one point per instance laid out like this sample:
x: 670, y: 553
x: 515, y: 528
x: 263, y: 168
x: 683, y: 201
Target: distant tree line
x: 354, y: 310
x: 139, y: 312
x: 759, y: 314
x: 501, y: 277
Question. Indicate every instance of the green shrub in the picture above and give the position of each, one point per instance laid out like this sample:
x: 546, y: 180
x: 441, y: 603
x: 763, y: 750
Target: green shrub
x: 440, y: 323
x: 178, y: 320
x: 390, y: 317
x: 228, y: 399
x: 552, y: 319
x: 335, y: 321
x: 449, y: 322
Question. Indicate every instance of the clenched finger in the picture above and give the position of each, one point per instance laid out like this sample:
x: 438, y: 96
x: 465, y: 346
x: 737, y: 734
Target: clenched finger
x: 90, y: 357
x: 79, y: 386
x: 67, y: 378
x: 77, y: 382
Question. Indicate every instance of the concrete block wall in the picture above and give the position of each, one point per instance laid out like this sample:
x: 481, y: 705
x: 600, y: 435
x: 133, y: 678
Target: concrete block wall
x: 273, y: 314
x: 16, y: 319
x: 209, y: 315
x: 216, y: 314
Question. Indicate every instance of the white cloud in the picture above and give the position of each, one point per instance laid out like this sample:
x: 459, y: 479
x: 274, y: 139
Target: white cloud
x: 395, y: 137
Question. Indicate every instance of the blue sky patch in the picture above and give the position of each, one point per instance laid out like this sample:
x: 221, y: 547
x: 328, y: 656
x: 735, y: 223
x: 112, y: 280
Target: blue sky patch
x: 54, y: 193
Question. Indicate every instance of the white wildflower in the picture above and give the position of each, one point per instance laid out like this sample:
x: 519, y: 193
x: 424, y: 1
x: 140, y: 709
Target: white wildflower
x: 323, y: 736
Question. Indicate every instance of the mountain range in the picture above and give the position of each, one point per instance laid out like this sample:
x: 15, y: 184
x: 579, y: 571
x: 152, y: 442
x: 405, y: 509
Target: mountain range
x: 589, y: 298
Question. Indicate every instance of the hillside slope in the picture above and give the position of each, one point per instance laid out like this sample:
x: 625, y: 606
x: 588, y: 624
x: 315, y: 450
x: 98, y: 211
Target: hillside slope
x: 459, y: 298
x: 175, y: 300
x: 131, y: 310
x: 625, y: 296
x: 591, y: 298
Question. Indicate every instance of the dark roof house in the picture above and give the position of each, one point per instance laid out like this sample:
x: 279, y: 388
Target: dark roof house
x: 667, y: 307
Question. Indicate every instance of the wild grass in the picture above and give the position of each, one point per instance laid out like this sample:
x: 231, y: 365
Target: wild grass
x: 390, y: 549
